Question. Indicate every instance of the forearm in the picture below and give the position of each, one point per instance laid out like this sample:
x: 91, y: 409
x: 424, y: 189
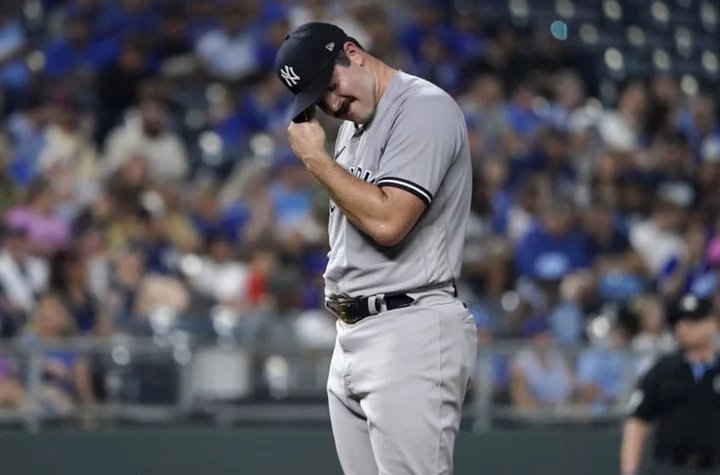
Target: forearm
x: 634, y: 434
x: 363, y: 203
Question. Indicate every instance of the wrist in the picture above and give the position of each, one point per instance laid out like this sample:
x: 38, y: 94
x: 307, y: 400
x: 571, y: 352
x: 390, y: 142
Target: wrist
x: 317, y: 164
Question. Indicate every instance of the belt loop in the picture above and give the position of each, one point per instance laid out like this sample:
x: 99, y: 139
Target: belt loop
x: 376, y: 304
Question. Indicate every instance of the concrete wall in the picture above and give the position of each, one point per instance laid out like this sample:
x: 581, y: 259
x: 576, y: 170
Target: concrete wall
x: 270, y: 451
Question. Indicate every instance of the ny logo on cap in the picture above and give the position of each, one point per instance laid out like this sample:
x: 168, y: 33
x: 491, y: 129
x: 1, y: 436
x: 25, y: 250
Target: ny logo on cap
x: 289, y: 76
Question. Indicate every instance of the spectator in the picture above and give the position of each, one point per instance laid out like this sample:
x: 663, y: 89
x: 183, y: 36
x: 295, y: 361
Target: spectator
x: 436, y: 65
x: 540, y: 378
x: 147, y: 134
x: 428, y: 23
x: 672, y: 175
x: 10, y: 192
x: 117, y: 86
x: 658, y: 239
x: 483, y: 103
x: 551, y: 159
x: 622, y: 129
x: 129, y: 16
x: 14, y: 73
x: 222, y: 278
x: 517, y: 219
x: 522, y: 117
x: 79, y: 53
x: 321, y: 10
x: 382, y: 45
x: 291, y: 199
x: 601, y: 371
x: 125, y: 284
x: 492, y: 366
x: 569, y: 95
x: 486, y: 263
x: 688, y: 272
x: 654, y: 337
x: 210, y: 218
x: 12, y: 392
x: 69, y: 158
x: 555, y: 242
x: 28, y: 133
x: 66, y: 378
x: 619, y: 269
x: 47, y: 231
x: 272, y: 329
x: 228, y: 52
x: 699, y: 122
x: 277, y: 26
x: 22, y: 278
x: 68, y: 281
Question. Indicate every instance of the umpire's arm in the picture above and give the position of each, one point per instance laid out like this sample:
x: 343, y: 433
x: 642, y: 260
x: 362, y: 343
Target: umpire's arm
x: 642, y: 410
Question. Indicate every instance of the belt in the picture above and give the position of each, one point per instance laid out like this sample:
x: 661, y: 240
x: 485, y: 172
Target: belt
x: 353, y: 310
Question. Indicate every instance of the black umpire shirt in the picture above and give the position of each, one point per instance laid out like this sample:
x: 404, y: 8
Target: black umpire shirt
x: 684, y: 400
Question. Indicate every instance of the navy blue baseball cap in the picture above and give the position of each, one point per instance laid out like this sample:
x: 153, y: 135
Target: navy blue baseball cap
x: 306, y: 60
x: 690, y: 307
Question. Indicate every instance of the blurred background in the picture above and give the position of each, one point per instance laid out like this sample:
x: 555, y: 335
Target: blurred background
x: 162, y: 250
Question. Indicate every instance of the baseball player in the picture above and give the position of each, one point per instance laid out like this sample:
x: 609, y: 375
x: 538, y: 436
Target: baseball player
x: 400, y: 184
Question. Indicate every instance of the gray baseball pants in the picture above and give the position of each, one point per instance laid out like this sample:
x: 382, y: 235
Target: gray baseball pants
x: 396, y: 387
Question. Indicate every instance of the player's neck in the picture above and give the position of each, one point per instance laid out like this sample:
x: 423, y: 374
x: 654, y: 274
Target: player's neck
x: 384, y: 74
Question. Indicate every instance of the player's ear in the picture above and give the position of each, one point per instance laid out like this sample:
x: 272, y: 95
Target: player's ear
x: 353, y: 52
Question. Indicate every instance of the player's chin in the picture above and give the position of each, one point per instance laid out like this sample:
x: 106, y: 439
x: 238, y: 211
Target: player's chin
x: 357, y: 115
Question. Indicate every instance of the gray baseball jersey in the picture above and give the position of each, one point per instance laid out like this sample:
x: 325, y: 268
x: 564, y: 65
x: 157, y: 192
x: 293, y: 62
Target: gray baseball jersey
x: 416, y: 141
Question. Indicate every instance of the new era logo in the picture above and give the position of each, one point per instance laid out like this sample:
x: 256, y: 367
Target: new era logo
x: 330, y: 46
x: 289, y: 76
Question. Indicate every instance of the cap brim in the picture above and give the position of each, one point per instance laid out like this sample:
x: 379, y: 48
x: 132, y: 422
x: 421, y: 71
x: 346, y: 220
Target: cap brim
x: 313, y: 93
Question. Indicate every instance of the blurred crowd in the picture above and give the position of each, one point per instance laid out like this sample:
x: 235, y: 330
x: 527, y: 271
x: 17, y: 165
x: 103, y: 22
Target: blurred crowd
x: 147, y: 185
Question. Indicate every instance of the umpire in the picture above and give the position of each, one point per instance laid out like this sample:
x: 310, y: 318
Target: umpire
x: 681, y: 394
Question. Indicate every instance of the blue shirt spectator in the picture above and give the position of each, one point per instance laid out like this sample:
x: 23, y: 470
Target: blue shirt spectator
x: 28, y: 133
x: 553, y: 247
x: 79, y: 51
x: 136, y: 16
x: 228, y: 52
x: 601, y: 370
x: 291, y: 197
x: 228, y: 221
x: 520, y: 113
x: 691, y: 271
x: 13, y: 69
x: 540, y: 374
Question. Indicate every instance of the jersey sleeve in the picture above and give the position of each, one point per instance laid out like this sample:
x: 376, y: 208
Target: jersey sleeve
x: 426, y: 137
x: 644, y: 400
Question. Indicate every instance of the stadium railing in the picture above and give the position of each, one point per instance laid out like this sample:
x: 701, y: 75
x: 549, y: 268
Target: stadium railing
x: 177, y: 380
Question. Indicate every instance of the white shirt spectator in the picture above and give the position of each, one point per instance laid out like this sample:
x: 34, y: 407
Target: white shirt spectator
x: 20, y: 286
x: 222, y: 281
x: 165, y: 152
x: 655, y: 245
